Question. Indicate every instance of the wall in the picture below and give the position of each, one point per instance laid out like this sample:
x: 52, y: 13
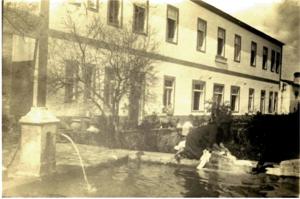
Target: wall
x: 185, y: 50
x: 183, y: 88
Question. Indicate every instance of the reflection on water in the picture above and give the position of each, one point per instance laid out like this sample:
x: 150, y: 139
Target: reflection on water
x: 138, y: 180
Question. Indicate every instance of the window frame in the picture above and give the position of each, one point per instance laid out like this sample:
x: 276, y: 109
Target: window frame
x: 120, y: 23
x: 177, y: 25
x: 166, y: 77
x: 224, y: 42
x: 255, y: 55
x: 251, y: 100
x: 262, y: 107
x: 201, y: 108
x: 240, y: 45
x: 107, y: 91
x: 72, y: 82
x: 89, y: 72
x: 277, y: 62
x: 223, y: 91
x: 94, y: 9
x: 205, y: 34
x: 275, y: 103
x: 146, y: 7
x: 265, y: 67
x: 238, y: 103
x: 271, y: 102
x: 273, y: 60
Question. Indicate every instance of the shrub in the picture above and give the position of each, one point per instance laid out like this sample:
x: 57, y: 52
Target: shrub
x: 150, y: 122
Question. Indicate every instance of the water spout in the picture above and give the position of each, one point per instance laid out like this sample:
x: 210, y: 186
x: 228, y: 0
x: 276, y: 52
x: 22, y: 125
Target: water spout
x: 89, y: 187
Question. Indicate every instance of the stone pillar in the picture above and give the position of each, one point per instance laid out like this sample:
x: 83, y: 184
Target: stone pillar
x: 39, y: 126
x: 38, y: 138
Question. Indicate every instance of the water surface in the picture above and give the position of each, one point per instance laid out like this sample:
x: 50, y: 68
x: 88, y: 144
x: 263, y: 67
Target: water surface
x: 154, y: 180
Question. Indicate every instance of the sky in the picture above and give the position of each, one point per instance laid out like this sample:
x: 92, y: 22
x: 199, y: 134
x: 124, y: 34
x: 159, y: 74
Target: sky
x: 277, y: 18
x: 239, y: 5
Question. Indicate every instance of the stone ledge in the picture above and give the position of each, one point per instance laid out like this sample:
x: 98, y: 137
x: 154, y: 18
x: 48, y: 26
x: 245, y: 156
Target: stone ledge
x: 286, y: 168
x: 38, y: 115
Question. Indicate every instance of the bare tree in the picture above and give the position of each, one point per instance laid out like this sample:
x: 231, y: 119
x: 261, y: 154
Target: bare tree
x: 109, y: 65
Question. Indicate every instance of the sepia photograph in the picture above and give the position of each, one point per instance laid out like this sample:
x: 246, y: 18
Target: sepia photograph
x: 150, y: 98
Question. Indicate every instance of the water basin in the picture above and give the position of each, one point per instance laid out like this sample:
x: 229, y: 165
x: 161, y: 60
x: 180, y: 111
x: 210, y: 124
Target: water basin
x: 134, y: 179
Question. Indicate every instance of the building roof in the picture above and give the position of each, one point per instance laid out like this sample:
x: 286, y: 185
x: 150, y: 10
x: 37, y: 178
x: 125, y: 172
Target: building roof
x: 237, y: 21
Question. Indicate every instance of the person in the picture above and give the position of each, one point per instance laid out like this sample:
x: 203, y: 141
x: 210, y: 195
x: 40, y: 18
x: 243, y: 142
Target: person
x: 207, y: 137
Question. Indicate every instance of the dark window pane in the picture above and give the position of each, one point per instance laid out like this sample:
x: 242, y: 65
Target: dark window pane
x: 114, y: 6
x: 169, y: 83
x: 218, y: 89
x: 220, y: 46
x: 277, y: 62
x: 196, y: 101
x: 139, y: 19
x: 200, y: 39
x: 171, y: 28
x: 233, y: 102
x: 198, y: 86
x: 272, y: 60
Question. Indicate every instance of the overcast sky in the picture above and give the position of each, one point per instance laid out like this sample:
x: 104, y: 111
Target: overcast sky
x: 277, y: 18
x: 227, y: 5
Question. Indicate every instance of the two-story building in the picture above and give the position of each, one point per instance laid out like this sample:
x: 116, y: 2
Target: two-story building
x: 204, y: 55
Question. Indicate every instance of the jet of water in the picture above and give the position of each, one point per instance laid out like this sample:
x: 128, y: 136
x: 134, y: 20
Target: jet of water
x: 90, y: 188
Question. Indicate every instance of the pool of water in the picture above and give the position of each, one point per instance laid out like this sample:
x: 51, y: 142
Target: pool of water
x: 135, y: 179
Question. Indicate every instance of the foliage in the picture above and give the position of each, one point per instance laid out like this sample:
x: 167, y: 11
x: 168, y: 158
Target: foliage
x: 150, y: 122
x: 120, y: 61
x: 219, y: 113
x: 271, y: 138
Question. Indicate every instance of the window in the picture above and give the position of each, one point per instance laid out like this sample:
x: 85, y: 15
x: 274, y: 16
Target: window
x: 88, y: 72
x: 270, y: 102
x: 221, y: 42
x: 235, y: 98
x: 272, y: 60
x: 108, y: 85
x: 278, y: 62
x: 237, y: 48
x: 168, y: 94
x: 198, y: 96
x: 114, y: 12
x: 262, y: 101
x: 140, y: 18
x: 172, y: 24
x: 93, y: 5
x: 71, y: 83
x: 275, y: 101
x: 201, y: 35
x: 218, y: 94
x: 251, y: 100
x: 265, y: 58
x: 253, y: 53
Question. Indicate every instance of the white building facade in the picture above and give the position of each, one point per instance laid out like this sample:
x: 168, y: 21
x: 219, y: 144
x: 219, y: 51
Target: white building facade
x: 204, y: 55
